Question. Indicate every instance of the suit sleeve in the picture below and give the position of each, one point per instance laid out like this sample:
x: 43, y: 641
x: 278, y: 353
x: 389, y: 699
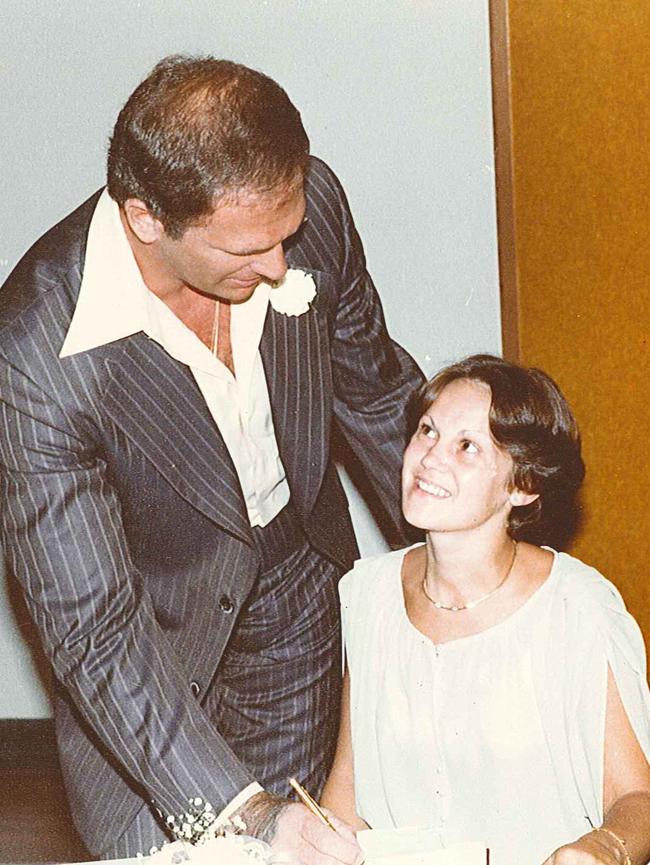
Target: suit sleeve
x: 374, y: 377
x: 63, y: 538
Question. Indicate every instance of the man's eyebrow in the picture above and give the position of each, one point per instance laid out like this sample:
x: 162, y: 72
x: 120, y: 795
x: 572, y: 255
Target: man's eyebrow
x: 245, y: 251
x: 249, y: 251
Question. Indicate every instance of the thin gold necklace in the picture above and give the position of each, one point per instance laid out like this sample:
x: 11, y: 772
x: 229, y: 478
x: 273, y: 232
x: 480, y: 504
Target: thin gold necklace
x: 215, y: 328
x: 471, y: 604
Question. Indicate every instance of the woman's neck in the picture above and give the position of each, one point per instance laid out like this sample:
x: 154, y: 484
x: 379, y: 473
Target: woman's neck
x: 461, y: 566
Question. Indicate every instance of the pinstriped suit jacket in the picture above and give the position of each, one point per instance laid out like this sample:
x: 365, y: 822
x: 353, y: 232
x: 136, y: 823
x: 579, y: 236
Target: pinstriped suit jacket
x: 123, y: 517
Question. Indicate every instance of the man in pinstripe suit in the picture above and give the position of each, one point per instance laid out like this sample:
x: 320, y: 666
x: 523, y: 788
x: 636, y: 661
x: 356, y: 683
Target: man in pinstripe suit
x: 171, y: 507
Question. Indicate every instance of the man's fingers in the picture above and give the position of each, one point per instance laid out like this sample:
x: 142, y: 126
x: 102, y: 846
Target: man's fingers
x: 301, y: 838
x: 341, y: 827
x: 341, y: 846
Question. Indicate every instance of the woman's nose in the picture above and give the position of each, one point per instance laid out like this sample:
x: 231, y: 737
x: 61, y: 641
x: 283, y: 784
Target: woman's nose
x: 434, y: 457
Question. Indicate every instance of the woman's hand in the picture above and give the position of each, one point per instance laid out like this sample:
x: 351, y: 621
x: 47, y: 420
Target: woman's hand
x: 595, y: 848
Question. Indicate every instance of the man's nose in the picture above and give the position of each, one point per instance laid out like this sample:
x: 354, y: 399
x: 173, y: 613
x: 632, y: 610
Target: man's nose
x: 271, y: 265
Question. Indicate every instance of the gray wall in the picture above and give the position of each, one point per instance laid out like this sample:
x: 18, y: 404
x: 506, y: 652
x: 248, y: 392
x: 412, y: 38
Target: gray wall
x: 395, y: 95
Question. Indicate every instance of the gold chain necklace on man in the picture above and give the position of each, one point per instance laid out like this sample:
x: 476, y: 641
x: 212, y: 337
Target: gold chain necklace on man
x: 471, y: 604
x: 221, y: 344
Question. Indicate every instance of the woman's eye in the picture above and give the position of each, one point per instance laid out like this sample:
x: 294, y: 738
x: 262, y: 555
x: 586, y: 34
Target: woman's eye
x: 427, y: 430
x: 468, y: 447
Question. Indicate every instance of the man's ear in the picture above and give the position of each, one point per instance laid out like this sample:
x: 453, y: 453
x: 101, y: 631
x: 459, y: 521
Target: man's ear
x: 518, y: 498
x: 146, y: 227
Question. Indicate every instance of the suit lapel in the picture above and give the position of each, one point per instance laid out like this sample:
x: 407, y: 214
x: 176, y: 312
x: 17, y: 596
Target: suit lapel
x: 156, y: 402
x: 295, y: 354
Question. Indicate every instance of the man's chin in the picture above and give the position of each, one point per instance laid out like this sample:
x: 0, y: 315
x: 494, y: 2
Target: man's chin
x: 238, y: 292
x: 231, y: 292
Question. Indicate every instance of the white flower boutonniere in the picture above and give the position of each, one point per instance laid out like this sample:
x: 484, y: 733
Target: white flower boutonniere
x: 293, y: 294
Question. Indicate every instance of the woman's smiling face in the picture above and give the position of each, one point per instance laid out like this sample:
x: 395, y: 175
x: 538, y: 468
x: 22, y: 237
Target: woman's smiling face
x: 454, y: 476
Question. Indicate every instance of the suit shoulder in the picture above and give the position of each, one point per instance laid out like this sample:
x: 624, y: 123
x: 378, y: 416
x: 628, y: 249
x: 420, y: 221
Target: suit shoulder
x: 54, y: 261
x: 329, y: 241
x: 321, y: 183
x: 319, y: 171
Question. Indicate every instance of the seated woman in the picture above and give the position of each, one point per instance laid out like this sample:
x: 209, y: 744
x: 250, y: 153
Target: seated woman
x: 496, y: 689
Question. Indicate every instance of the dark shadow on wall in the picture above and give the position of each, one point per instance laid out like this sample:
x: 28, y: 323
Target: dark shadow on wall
x: 557, y: 527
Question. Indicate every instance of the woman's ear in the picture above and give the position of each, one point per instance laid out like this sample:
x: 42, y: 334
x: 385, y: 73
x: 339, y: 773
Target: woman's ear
x: 518, y: 498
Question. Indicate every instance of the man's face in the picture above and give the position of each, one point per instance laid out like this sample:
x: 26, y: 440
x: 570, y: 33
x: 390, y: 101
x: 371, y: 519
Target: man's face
x: 238, y: 246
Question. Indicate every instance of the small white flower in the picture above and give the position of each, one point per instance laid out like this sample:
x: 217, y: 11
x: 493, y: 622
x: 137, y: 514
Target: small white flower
x: 225, y: 850
x: 293, y: 294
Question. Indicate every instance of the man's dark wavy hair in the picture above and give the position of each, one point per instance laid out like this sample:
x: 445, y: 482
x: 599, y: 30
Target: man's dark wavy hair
x: 531, y: 421
x: 198, y: 130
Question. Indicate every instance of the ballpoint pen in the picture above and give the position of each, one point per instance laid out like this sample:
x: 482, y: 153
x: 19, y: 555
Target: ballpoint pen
x: 310, y: 803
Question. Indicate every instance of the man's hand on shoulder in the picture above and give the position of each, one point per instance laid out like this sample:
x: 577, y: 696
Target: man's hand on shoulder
x: 296, y: 835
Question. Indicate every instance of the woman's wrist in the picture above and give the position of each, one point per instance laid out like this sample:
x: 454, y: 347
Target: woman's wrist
x: 617, y: 844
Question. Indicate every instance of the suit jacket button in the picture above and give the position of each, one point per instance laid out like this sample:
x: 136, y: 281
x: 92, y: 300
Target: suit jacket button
x: 225, y: 604
x: 195, y: 688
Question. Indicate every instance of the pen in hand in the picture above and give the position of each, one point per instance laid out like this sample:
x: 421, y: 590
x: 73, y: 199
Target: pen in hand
x: 310, y: 803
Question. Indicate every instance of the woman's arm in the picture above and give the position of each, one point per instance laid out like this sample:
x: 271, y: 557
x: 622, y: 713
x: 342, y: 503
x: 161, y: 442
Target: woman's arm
x: 338, y: 794
x: 624, y: 837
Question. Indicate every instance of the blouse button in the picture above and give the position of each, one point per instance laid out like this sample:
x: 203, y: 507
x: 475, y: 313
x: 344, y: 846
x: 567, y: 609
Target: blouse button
x: 195, y: 688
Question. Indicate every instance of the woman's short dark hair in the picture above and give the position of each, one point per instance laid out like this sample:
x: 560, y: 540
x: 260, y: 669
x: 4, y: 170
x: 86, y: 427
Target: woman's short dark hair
x: 198, y: 129
x: 531, y: 421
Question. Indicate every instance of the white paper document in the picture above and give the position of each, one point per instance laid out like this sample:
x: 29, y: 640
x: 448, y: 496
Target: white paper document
x: 393, y: 847
x: 416, y: 847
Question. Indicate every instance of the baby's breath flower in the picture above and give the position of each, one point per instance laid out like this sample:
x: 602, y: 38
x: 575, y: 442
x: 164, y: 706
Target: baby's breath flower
x: 204, y: 839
